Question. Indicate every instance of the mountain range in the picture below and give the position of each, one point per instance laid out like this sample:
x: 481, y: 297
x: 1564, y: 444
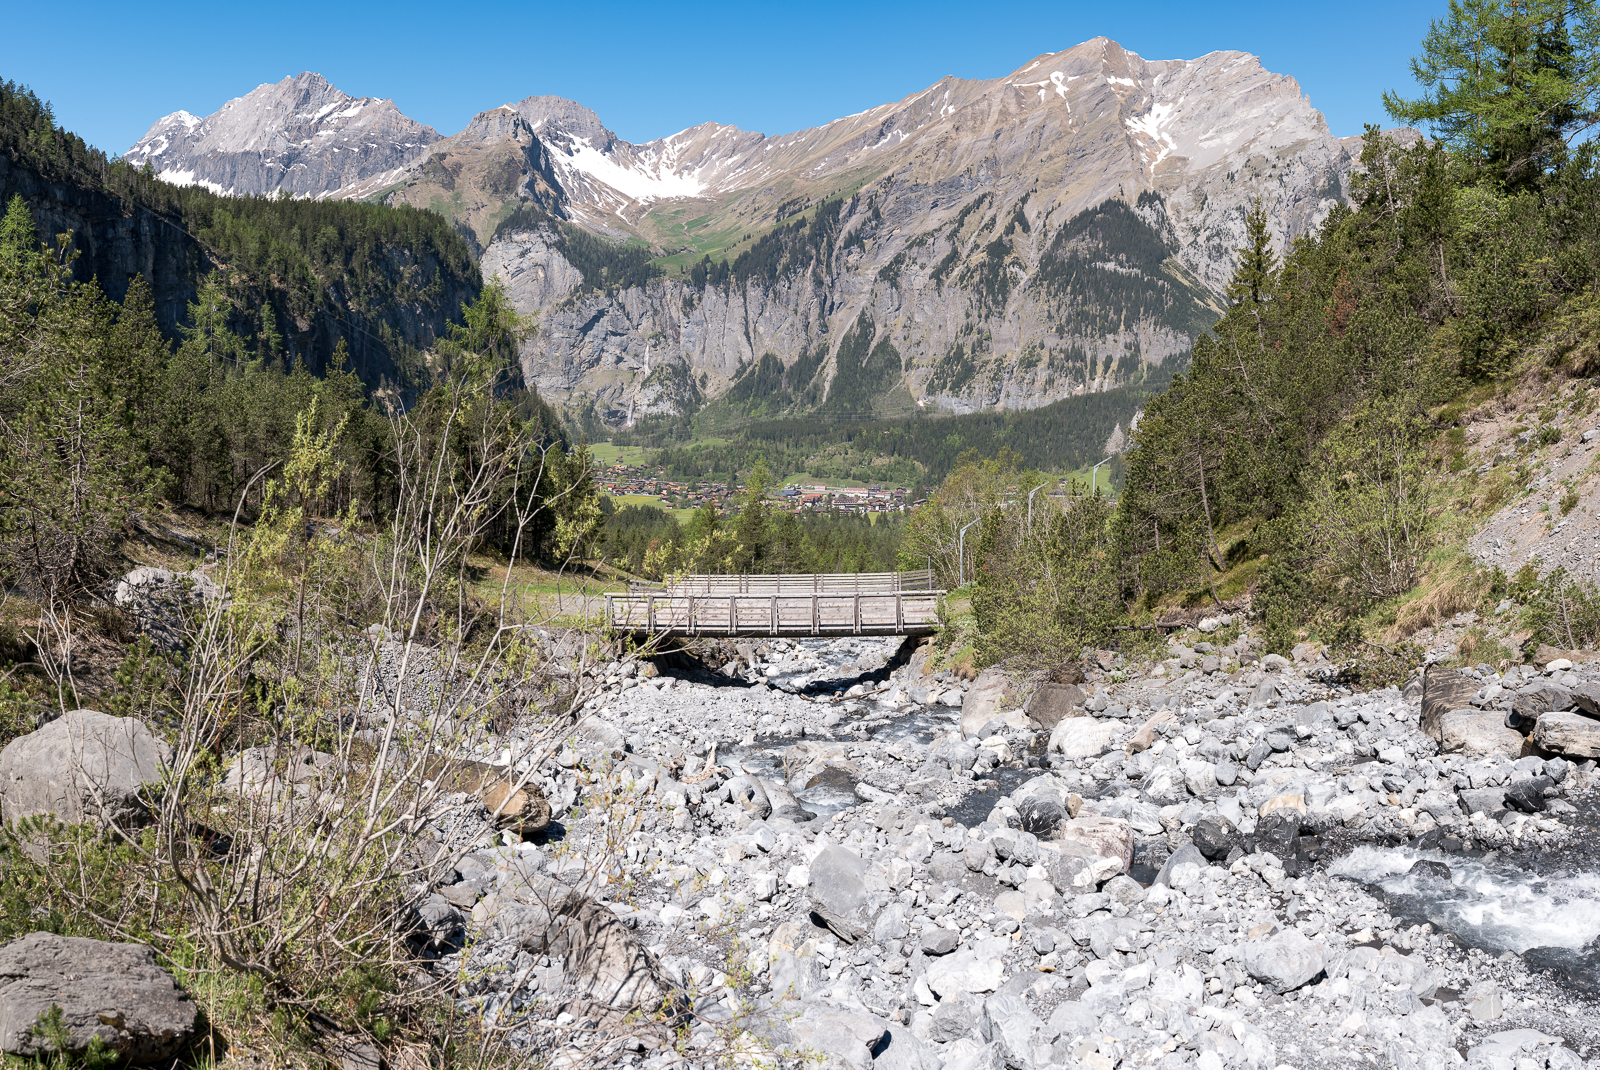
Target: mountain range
x: 1007, y: 242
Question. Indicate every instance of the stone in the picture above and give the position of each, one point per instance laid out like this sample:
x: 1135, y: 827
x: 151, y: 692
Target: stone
x: 1015, y: 905
x: 1183, y: 868
x: 1041, y: 815
x: 112, y: 991
x: 1444, y: 690
x: 1071, y: 874
x: 160, y: 601
x: 849, y: 1036
x: 264, y: 770
x: 1484, y: 1003
x: 1477, y: 733
x: 1009, y: 1025
x: 983, y: 700
x: 1122, y: 889
x: 947, y: 866
x: 1051, y: 702
x: 1519, y: 1048
x: 891, y: 924
x: 1073, y: 1019
x: 1100, y: 837
x: 940, y: 941
x: 1528, y: 795
x: 610, y: 973
x: 965, y: 971
x: 1483, y: 800
x: 952, y: 1020
x: 1082, y: 737
x: 1265, y: 693
x: 1283, y: 962
x: 1146, y: 735
x: 1015, y: 845
x: 83, y: 766
x: 1278, y: 833
x: 838, y: 892
x: 1215, y: 836
x: 1570, y: 734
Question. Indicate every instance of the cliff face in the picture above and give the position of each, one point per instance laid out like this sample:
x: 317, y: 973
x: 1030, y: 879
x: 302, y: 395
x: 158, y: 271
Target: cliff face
x: 115, y: 241
x: 1009, y: 242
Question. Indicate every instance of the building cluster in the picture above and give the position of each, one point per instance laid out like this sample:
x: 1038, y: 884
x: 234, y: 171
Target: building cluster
x: 623, y: 479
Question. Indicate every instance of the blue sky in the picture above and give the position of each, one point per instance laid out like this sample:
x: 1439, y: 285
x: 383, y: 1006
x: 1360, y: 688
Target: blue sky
x: 111, y: 69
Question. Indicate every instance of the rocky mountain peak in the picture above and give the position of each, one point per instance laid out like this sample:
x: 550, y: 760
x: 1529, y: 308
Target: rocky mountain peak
x: 301, y: 134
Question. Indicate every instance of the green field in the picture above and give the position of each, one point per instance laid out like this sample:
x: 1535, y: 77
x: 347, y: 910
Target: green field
x: 621, y: 500
x: 608, y: 454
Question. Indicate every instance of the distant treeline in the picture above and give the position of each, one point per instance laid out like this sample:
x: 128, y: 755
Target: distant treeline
x: 1067, y: 434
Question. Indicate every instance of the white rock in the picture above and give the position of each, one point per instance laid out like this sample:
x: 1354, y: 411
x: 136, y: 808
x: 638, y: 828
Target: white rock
x: 965, y: 971
x: 1081, y: 737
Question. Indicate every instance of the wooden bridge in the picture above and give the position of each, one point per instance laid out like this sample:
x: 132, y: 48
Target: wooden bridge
x: 867, y: 603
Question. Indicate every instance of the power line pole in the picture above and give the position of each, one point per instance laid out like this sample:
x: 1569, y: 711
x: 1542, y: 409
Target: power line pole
x: 1031, y: 493
x: 961, y: 556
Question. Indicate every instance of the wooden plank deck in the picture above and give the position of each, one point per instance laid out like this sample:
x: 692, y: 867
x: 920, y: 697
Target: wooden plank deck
x: 770, y: 606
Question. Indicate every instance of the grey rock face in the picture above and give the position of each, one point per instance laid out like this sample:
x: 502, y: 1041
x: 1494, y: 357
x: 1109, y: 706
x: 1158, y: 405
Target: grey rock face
x: 1285, y: 961
x: 1568, y: 733
x: 1051, y: 702
x: 159, y: 601
x: 300, y: 134
x: 112, y: 991
x: 838, y: 891
x: 1182, y: 868
x: 83, y: 766
x: 1182, y: 146
x: 611, y: 973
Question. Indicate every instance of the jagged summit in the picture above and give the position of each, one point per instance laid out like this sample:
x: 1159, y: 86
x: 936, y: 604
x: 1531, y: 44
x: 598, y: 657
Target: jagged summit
x: 301, y: 134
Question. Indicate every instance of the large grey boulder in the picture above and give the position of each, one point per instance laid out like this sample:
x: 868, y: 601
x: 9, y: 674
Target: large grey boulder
x: 839, y: 894
x: 1283, y: 962
x: 1183, y: 867
x: 83, y: 766
x: 1571, y: 734
x: 1082, y: 737
x: 971, y: 970
x: 1051, y: 702
x: 983, y: 700
x: 1444, y: 690
x: 1477, y: 733
x: 112, y: 991
x: 842, y: 1037
x: 611, y: 974
x: 160, y: 601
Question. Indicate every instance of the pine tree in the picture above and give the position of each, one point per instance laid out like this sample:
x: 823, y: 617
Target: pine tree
x: 1256, y: 260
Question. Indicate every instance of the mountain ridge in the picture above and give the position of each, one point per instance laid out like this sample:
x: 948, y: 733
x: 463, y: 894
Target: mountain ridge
x: 1065, y: 228
x: 301, y: 134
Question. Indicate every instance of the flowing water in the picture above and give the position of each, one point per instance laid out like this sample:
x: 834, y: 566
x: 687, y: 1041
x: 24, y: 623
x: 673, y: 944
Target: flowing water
x: 1551, y: 918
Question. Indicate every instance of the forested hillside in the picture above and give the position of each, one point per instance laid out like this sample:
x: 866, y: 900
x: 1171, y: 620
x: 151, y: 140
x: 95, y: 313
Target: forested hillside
x: 304, y: 279
x: 1312, y: 452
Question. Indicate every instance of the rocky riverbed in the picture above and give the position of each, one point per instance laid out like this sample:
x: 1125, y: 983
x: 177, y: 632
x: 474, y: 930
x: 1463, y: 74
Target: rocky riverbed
x: 1219, y: 859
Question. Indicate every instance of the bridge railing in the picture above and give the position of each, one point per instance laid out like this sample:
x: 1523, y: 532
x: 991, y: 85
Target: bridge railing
x: 795, y: 583
x: 722, y: 614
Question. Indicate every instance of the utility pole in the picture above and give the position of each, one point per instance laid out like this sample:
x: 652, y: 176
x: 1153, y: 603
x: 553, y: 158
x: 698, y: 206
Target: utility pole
x: 1092, y: 482
x: 1031, y: 493
x: 961, y: 556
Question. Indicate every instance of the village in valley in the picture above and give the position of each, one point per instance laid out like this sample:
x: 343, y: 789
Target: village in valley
x: 624, y: 481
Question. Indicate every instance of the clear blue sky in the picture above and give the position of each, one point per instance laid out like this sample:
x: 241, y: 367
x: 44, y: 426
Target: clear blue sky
x: 650, y: 69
